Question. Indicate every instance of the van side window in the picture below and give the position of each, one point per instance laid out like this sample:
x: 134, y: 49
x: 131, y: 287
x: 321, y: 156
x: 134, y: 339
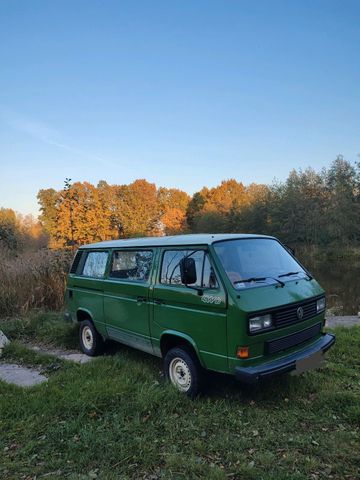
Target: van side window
x: 170, y: 271
x: 95, y: 264
x: 76, y: 261
x: 131, y: 265
x: 209, y: 277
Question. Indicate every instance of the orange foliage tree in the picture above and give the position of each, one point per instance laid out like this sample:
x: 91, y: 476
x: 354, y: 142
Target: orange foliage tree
x: 309, y: 207
x: 209, y: 209
x: 173, y: 204
x: 82, y: 213
x: 138, y: 209
x: 20, y: 232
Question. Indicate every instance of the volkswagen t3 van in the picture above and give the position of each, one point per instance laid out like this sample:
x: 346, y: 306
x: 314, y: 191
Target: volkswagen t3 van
x: 237, y: 304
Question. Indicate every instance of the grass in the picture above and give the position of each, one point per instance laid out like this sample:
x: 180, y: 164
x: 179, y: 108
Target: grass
x: 115, y: 418
x: 45, y: 327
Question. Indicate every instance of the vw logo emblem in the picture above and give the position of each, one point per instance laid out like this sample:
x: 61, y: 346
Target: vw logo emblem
x: 300, y: 313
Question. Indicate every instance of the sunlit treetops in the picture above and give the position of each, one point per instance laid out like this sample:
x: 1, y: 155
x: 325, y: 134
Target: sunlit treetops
x: 309, y: 207
x: 18, y: 232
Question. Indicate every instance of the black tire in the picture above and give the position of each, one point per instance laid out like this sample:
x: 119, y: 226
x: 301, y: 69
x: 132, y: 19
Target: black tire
x: 91, y: 342
x: 183, y: 370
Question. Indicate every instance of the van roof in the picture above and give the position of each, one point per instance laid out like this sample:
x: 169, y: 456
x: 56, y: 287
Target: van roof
x: 173, y: 240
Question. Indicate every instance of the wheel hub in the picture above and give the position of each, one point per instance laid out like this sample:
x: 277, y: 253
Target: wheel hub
x: 87, y: 338
x: 180, y: 375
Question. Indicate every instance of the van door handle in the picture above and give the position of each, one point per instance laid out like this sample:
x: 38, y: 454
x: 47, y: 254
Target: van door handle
x: 158, y: 301
x: 141, y: 299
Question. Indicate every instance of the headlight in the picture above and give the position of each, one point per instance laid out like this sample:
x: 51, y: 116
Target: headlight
x: 320, y: 305
x: 260, y: 323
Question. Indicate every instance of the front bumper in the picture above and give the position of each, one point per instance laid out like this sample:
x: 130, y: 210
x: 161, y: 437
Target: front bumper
x: 283, y: 365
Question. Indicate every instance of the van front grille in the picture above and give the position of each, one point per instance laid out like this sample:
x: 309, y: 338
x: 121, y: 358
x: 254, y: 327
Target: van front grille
x: 289, y: 315
x: 283, y: 343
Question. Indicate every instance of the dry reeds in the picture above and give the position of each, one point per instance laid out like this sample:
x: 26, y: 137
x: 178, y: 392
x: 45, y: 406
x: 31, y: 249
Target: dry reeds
x: 32, y: 280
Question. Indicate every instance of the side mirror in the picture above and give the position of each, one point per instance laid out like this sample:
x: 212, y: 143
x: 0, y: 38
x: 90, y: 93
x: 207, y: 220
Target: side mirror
x: 188, y: 271
x: 290, y: 249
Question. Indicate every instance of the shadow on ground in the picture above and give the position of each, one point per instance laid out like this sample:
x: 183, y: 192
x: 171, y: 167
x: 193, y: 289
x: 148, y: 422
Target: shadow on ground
x: 216, y: 385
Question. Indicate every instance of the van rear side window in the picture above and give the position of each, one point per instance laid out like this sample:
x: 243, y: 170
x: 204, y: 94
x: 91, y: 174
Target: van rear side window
x: 131, y: 265
x: 76, y: 262
x: 95, y: 264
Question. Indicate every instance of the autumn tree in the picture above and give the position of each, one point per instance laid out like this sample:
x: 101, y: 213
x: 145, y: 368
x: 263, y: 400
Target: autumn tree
x: 138, y: 209
x: 20, y: 232
x: 75, y: 215
x: 309, y: 207
x: 81, y: 216
x: 253, y: 215
x: 32, y: 233
x: 209, y: 209
x: 48, y: 200
x: 194, y: 210
x: 82, y: 213
x: 223, y: 197
x: 173, y: 204
x: 111, y: 203
x: 9, y: 229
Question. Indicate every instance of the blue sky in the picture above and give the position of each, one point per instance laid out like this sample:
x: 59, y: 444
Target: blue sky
x: 182, y: 93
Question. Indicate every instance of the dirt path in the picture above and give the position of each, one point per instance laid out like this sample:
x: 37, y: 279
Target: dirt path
x: 342, y: 321
x: 28, y: 377
x: 70, y: 355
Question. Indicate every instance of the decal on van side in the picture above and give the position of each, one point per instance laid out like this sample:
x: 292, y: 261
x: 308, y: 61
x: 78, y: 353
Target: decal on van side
x: 211, y: 299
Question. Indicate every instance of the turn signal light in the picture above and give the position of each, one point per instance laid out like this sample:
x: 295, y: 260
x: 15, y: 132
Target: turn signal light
x: 242, y: 352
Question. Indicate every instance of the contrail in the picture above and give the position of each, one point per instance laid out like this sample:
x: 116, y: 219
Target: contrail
x: 45, y: 134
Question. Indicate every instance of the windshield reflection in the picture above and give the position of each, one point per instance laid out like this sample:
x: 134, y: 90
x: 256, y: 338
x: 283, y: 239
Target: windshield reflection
x: 257, y: 262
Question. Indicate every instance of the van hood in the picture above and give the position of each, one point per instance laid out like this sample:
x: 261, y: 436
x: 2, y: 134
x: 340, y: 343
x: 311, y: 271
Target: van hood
x: 271, y: 296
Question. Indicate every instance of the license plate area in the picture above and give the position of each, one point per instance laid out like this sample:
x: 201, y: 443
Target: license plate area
x: 315, y: 360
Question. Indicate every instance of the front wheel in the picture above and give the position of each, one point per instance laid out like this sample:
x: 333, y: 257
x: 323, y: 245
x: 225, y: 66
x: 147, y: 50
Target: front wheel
x: 183, y: 370
x: 91, y: 342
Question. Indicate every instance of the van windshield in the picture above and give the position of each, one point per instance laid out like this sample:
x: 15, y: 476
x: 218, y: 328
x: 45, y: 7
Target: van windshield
x: 255, y: 262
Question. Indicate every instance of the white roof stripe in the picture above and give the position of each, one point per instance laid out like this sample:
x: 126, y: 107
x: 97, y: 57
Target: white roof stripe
x: 174, y: 240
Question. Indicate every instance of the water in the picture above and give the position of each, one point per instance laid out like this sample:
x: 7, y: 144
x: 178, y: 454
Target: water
x: 340, y: 278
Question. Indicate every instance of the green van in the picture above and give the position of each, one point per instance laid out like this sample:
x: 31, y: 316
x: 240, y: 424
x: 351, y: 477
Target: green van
x: 237, y: 304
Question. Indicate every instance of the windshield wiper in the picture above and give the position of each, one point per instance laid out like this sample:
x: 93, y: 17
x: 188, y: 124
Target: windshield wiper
x: 259, y: 279
x: 295, y: 273
x: 288, y: 274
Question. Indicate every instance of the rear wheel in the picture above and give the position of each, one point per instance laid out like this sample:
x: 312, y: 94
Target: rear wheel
x: 183, y: 370
x: 91, y: 341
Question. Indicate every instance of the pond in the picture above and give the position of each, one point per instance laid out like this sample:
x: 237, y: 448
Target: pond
x: 340, y: 278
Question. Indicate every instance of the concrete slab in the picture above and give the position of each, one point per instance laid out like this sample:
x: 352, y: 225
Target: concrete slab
x: 69, y: 355
x: 76, y: 357
x: 21, y: 376
x: 342, y: 321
